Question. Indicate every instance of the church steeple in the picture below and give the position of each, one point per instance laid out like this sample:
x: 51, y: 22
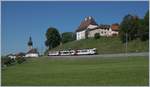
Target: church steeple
x: 30, y: 44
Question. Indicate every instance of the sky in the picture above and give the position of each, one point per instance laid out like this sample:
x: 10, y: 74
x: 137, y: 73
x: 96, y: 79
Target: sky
x: 22, y: 19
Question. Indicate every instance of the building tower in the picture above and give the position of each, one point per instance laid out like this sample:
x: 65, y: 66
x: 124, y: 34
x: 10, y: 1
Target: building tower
x: 30, y: 44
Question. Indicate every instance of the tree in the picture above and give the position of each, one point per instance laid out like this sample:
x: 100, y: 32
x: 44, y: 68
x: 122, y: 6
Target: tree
x: 146, y: 18
x: 129, y: 26
x: 146, y: 22
x: 53, y: 38
x: 96, y: 36
x: 144, y: 28
x: 67, y: 37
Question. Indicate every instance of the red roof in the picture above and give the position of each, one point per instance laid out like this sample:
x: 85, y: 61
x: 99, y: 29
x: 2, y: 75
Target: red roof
x: 115, y: 27
x: 85, y: 23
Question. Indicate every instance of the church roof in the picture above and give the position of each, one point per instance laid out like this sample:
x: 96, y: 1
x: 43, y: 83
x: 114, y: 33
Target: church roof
x: 32, y: 51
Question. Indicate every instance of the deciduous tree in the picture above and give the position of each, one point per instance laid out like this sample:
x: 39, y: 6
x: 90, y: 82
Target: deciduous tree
x: 53, y: 38
x: 129, y: 27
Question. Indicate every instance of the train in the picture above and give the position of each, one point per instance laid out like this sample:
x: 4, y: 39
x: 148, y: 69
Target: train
x: 70, y: 52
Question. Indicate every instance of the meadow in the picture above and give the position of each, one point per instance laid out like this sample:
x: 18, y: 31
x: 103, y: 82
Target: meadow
x: 47, y: 71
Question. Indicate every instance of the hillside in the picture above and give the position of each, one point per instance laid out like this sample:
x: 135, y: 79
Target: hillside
x: 106, y: 45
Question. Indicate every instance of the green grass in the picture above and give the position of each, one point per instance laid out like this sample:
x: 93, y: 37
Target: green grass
x: 84, y: 71
x: 107, y: 45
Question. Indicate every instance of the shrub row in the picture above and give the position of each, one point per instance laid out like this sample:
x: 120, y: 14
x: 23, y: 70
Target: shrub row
x: 6, y: 61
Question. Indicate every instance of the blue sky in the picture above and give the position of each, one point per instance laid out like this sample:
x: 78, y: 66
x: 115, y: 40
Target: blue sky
x: 25, y: 18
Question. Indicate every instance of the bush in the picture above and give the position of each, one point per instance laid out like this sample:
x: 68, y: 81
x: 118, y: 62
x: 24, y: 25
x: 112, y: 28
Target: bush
x: 68, y: 37
x: 7, y: 61
x: 20, y: 60
x: 144, y: 37
x: 96, y: 36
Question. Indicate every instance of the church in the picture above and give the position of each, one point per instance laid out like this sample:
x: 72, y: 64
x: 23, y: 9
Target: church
x: 88, y: 28
x: 32, y: 51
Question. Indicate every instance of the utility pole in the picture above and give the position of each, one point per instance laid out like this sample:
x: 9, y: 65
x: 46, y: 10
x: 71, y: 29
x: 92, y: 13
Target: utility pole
x: 126, y: 48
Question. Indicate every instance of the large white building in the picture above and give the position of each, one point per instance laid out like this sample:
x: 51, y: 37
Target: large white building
x: 88, y: 28
x: 81, y: 35
x: 103, y: 30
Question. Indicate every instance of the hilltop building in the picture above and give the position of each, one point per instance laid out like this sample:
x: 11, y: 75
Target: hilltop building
x: 32, y: 51
x: 89, y: 27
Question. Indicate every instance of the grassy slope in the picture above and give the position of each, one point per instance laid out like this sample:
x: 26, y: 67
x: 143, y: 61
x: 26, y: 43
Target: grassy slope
x: 92, y: 71
x: 106, y: 45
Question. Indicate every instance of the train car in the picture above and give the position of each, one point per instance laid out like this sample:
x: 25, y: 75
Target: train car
x: 67, y: 52
x: 86, y: 51
x: 53, y: 53
x: 94, y: 51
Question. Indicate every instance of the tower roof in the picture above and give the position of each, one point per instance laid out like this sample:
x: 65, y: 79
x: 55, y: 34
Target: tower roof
x: 30, y: 42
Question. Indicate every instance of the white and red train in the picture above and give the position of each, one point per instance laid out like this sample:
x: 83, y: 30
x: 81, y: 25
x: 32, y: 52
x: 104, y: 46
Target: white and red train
x: 73, y: 52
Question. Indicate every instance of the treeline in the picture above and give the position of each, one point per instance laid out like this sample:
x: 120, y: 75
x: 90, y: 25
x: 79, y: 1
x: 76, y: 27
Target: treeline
x: 132, y: 27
